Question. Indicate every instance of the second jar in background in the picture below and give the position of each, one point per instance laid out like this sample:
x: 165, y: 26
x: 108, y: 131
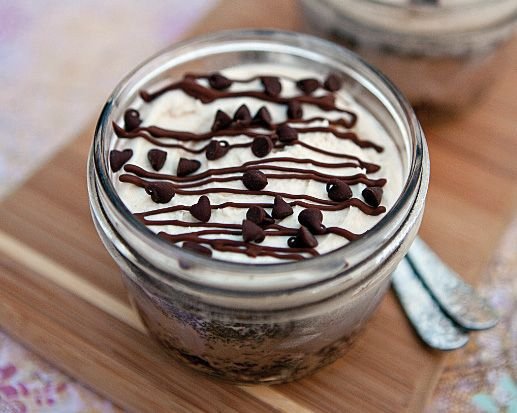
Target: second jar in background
x: 442, y: 55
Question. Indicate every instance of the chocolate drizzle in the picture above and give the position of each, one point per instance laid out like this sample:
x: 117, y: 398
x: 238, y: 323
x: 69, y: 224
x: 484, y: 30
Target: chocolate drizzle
x: 213, y: 190
x: 252, y: 178
x: 295, y: 173
x: 153, y: 133
x: 271, y: 93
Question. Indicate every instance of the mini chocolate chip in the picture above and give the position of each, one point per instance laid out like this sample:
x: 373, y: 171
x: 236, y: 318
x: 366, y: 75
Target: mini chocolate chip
x: 187, y: 166
x: 294, y: 110
x: 200, y: 249
x: 332, y: 83
x: 256, y: 214
x: 242, y: 116
x: 254, y: 180
x: 306, y: 238
x: 259, y: 216
x: 312, y: 219
x: 372, y: 195
x: 221, y: 121
x: 119, y: 158
x: 281, y: 209
x: 218, y: 81
x: 131, y: 120
x: 161, y: 192
x: 202, y: 209
x: 261, y: 146
x: 338, y: 190
x: 272, y: 86
x: 251, y: 232
x: 308, y: 86
x: 303, y: 239
x: 262, y: 118
x: 157, y: 158
x: 216, y: 150
x: 286, y: 133
x: 268, y: 220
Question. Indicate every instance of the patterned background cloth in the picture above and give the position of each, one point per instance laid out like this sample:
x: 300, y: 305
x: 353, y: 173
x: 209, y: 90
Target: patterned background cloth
x: 483, y: 376
x: 58, y: 63
x: 60, y: 60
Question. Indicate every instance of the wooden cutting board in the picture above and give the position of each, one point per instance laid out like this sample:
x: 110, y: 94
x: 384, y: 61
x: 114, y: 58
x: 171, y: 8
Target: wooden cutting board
x: 61, y: 295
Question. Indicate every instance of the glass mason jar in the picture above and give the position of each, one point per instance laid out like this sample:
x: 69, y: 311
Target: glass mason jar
x: 251, y: 323
x: 442, y: 55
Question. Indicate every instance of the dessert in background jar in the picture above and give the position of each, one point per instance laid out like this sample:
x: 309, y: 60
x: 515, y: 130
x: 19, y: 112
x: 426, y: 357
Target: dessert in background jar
x: 257, y: 196
x: 442, y: 54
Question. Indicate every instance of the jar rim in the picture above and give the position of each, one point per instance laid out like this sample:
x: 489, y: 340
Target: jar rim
x: 373, y: 237
x: 428, y: 6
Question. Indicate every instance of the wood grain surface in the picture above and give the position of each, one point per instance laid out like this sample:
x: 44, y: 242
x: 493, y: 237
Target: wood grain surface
x: 62, y: 296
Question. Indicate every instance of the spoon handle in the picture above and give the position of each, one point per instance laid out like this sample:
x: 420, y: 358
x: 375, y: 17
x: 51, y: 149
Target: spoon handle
x: 457, y: 298
x: 431, y: 324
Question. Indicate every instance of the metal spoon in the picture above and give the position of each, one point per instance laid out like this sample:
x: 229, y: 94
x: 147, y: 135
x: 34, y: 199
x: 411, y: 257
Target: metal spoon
x: 432, y: 325
x: 456, y: 298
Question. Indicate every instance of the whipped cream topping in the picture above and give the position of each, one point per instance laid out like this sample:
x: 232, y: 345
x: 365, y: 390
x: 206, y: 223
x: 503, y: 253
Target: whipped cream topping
x: 230, y: 166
